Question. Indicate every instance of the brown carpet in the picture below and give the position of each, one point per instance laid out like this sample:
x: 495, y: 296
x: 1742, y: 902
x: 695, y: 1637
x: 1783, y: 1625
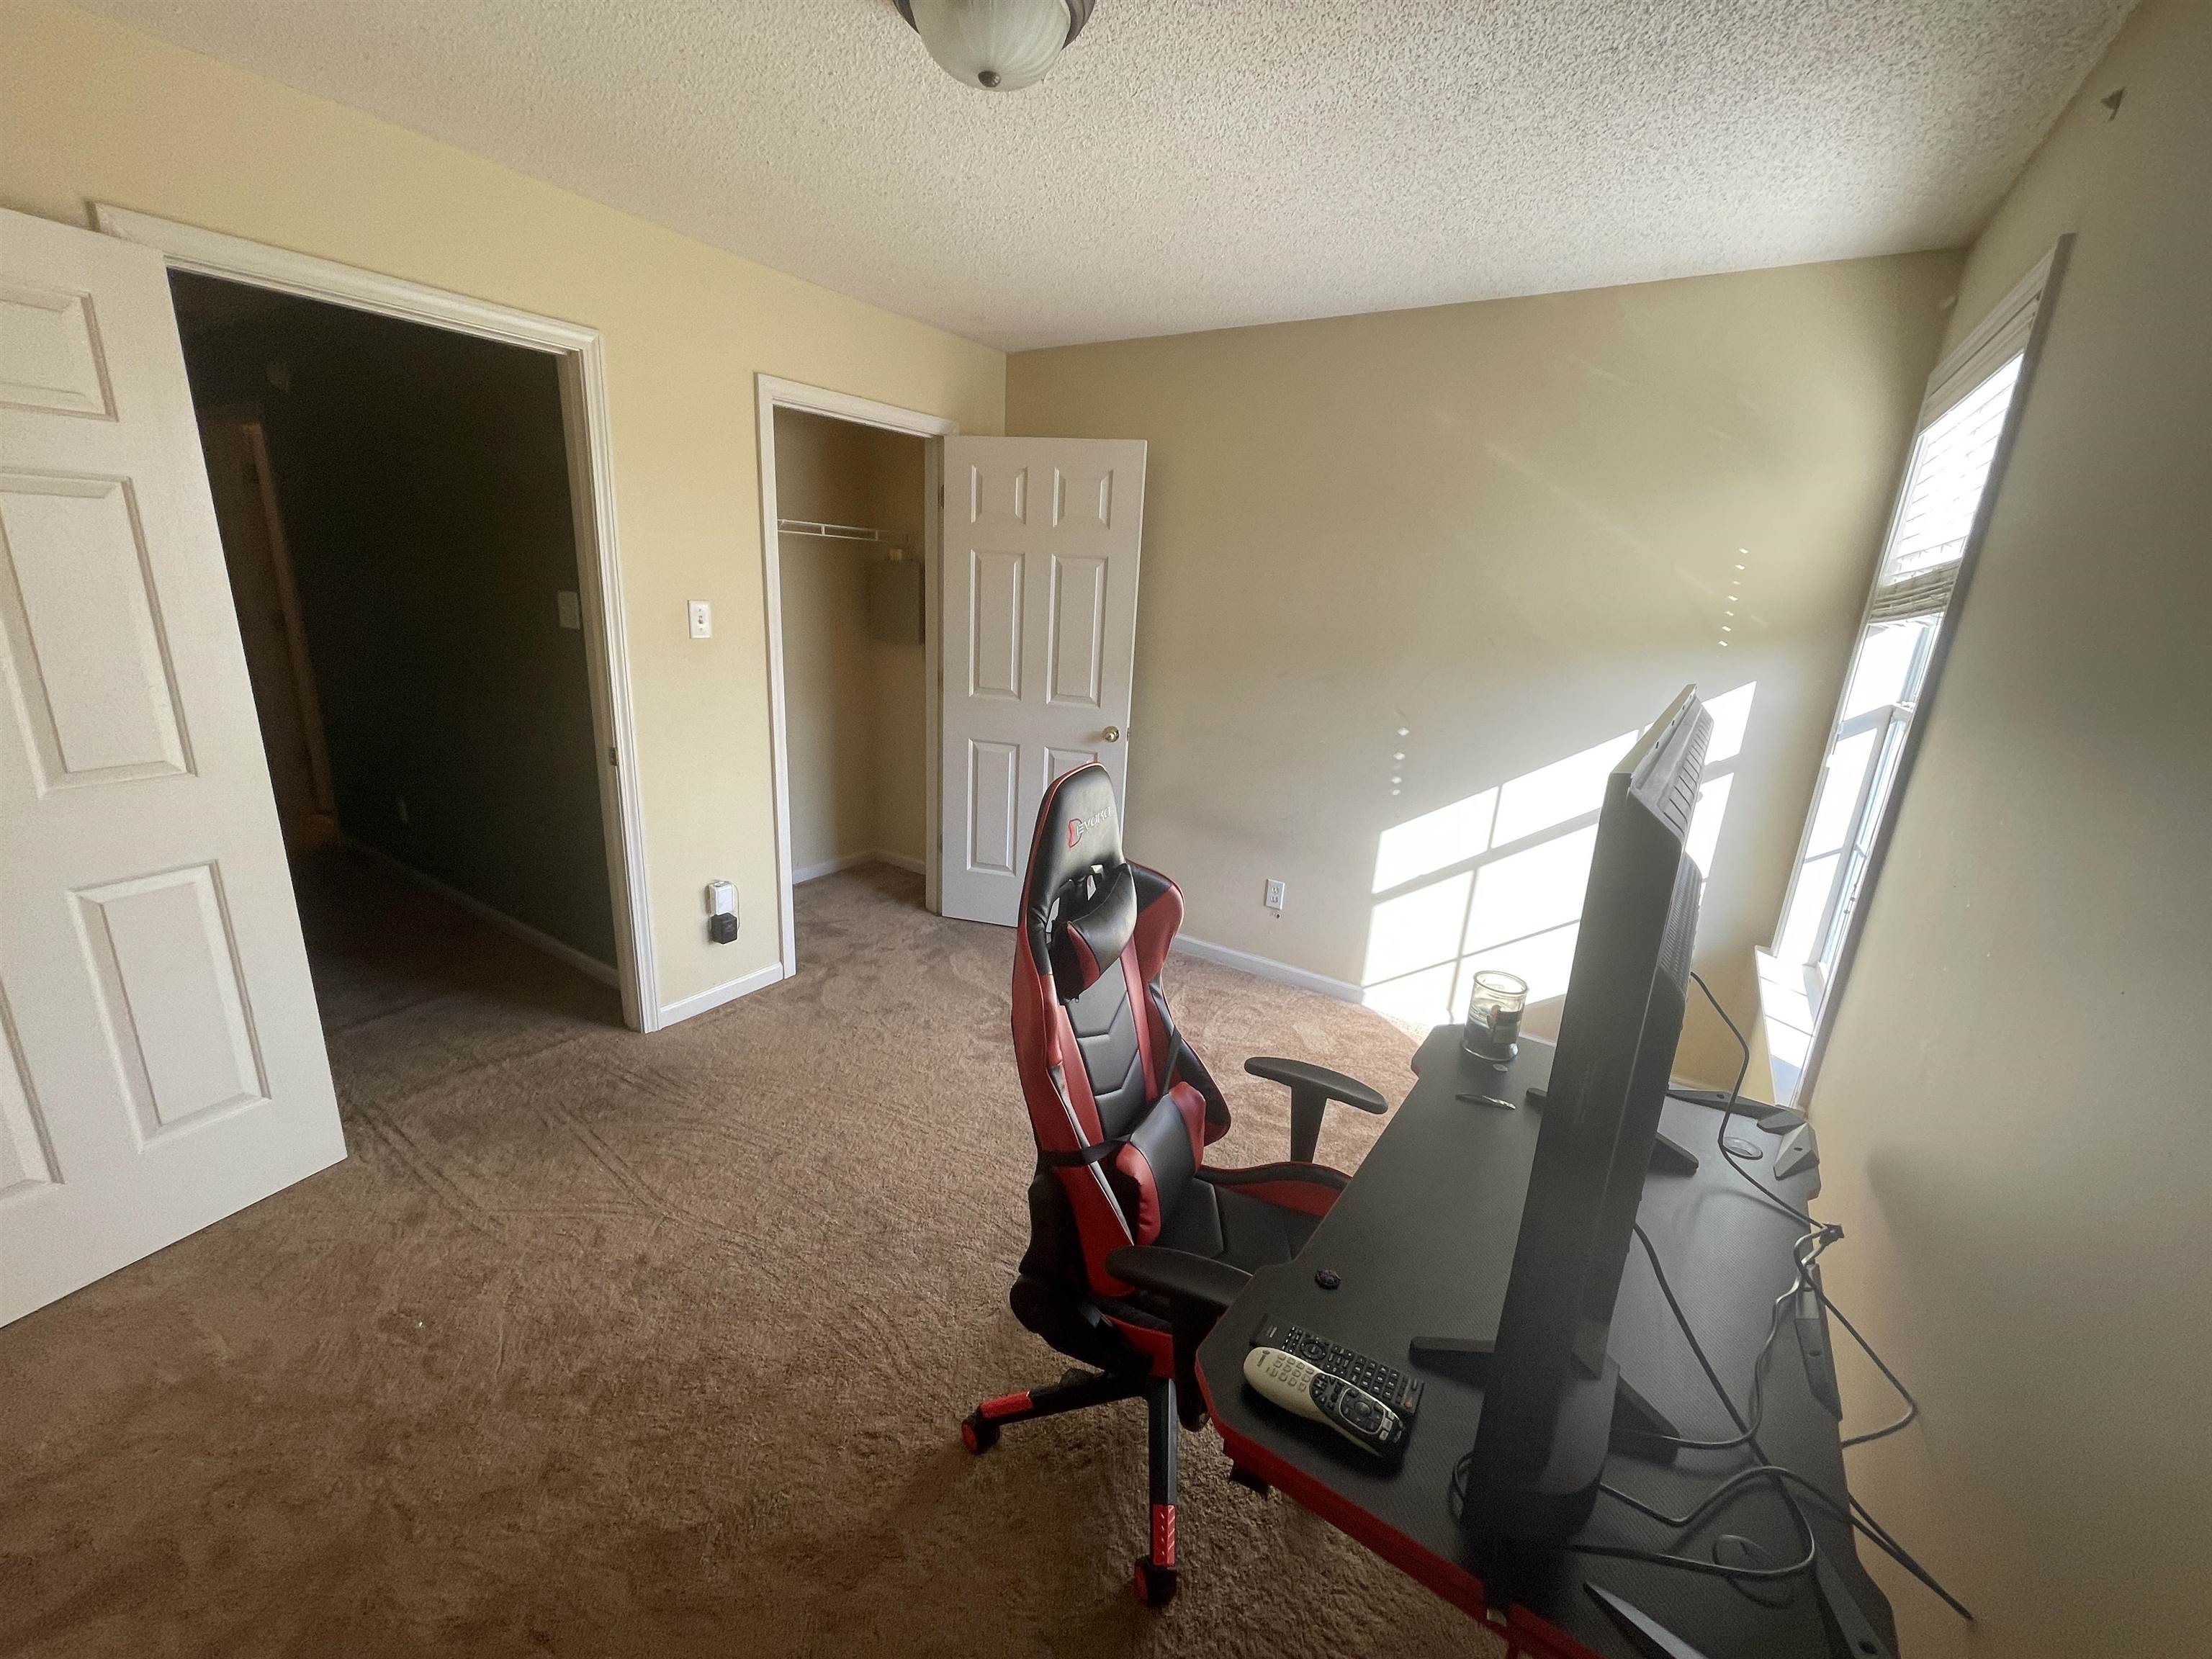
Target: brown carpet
x: 602, y: 1344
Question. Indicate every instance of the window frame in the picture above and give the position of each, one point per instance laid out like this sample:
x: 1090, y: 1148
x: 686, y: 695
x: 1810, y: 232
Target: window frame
x: 2017, y: 325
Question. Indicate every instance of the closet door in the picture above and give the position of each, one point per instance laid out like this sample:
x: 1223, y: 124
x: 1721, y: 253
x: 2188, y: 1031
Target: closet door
x: 1041, y: 543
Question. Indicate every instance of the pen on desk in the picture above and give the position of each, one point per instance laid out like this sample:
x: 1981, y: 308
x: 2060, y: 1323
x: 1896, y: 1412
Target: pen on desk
x: 1485, y: 1100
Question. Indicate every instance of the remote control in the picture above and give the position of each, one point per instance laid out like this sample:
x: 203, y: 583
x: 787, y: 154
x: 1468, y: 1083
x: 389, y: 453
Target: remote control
x: 1310, y: 1392
x: 1400, y: 1393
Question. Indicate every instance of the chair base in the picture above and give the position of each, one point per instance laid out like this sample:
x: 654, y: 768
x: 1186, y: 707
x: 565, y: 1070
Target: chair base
x: 1155, y: 1586
x: 1154, y: 1580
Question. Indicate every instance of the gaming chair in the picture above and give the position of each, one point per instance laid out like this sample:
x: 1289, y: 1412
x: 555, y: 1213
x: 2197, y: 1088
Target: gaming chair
x: 1137, y: 1244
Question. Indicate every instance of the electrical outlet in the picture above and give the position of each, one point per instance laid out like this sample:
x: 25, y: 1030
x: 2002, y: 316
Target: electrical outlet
x: 1275, y: 896
x: 721, y: 912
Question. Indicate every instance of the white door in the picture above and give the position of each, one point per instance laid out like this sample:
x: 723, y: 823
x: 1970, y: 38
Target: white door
x: 1040, y: 630
x: 164, y: 1066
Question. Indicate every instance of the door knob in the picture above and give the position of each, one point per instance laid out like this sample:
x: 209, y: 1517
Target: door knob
x: 1112, y: 734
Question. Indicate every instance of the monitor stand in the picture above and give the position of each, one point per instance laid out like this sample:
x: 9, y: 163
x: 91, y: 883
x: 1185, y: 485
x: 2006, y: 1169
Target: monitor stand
x: 1632, y: 1424
x: 1669, y: 1154
x: 1511, y: 1508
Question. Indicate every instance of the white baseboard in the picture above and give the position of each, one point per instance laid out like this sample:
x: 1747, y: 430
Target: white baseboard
x: 806, y: 872
x: 1342, y: 990
x: 589, y: 966
x: 715, y: 995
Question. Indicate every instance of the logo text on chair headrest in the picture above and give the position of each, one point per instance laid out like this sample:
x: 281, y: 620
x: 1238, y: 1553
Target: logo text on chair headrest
x: 1079, y: 828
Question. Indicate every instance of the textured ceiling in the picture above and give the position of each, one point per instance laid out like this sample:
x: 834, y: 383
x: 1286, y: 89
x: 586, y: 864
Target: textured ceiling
x: 1203, y: 165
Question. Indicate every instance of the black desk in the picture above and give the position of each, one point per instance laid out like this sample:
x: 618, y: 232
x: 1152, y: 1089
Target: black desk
x: 1423, y: 1240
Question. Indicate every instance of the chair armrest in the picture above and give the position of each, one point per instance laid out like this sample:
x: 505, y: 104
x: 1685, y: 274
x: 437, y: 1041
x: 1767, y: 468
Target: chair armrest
x: 1197, y: 1285
x: 1297, y: 1074
x: 1198, y: 1291
x: 1312, y: 1087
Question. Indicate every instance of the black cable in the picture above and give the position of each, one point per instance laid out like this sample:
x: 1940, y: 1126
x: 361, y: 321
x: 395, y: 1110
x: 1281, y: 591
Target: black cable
x: 1856, y: 1515
x: 1859, y: 1515
x: 1729, y: 1111
x: 1682, y: 1319
x: 1719, y: 1497
x: 1862, y: 1518
x: 1710, y: 1569
x: 1756, y: 1407
x: 1762, y: 1470
x: 1912, y: 1406
x: 1457, y: 1495
x: 1745, y: 1430
x: 1727, y: 1114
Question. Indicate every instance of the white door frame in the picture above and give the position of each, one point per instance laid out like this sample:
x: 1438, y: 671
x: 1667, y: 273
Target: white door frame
x: 774, y: 394
x: 581, y: 356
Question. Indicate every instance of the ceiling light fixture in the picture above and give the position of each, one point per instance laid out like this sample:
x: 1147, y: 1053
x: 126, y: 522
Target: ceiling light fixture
x: 1001, y: 46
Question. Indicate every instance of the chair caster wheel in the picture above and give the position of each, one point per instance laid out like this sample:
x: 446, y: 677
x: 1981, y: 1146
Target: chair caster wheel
x: 1155, y: 1586
x: 1251, y: 1482
x: 978, y: 1433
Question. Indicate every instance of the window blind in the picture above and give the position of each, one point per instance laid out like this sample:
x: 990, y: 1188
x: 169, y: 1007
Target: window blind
x: 1942, y: 490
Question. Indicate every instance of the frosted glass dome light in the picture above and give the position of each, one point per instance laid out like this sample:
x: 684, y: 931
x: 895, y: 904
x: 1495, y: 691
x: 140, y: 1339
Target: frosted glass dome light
x: 1001, y: 46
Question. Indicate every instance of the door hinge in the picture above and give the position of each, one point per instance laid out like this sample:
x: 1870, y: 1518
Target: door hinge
x: 613, y: 759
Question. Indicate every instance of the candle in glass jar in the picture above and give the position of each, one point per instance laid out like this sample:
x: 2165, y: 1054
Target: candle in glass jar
x: 1494, y: 1007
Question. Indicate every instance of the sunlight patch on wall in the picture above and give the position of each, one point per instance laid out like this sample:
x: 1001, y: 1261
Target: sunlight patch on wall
x: 1531, y: 891
x: 1705, y: 837
x: 1418, y: 929
x: 1731, y: 713
x: 1435, y: 840
x: 1550, y: 795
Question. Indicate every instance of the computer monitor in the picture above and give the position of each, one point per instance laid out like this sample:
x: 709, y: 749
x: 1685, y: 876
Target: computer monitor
x: 1549, y: 1390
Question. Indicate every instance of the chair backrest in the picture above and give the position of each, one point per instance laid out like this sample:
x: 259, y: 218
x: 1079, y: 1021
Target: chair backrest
x: 1120, y: 1110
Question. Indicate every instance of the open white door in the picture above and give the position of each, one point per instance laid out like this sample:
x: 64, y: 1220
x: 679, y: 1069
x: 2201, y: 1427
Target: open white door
x: 1040, y: 552
x: 164, y: 1065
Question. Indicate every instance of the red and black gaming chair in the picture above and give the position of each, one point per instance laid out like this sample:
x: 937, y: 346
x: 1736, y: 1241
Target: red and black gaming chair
x: 1136, y: 1244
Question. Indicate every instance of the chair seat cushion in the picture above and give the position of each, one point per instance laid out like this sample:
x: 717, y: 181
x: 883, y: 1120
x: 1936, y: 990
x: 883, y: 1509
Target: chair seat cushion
x: 1217, y: 1218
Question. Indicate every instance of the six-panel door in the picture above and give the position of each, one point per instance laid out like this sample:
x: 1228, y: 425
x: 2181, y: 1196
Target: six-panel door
x: 1041, y: 543
x: 161, y: 1064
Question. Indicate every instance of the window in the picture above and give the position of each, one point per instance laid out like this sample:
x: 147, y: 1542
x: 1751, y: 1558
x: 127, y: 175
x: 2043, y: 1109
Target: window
x: 1922, y: 576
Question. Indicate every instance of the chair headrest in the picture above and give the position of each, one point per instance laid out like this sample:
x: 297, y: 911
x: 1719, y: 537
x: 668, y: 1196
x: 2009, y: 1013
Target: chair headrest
x: 1079, y: 831
x: 1098, y: 918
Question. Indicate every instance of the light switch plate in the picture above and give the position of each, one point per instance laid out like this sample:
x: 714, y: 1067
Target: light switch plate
x: 702, y: 620
x: 571, y: 613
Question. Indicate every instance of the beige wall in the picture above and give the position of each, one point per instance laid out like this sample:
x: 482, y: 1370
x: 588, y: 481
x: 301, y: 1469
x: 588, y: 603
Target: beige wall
x: 96, y: 111
x: 1510, y: 531
x: 2014, y: 1111
x: 854, y: 705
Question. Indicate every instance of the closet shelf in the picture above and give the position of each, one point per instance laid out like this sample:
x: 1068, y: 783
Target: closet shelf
x: 839, y: 532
